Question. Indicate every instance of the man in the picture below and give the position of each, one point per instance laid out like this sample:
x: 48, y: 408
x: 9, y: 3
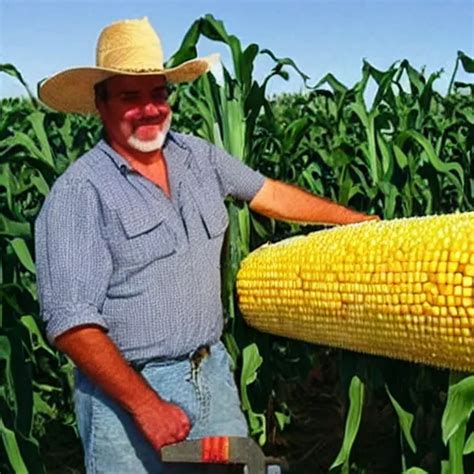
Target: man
x: 128, y: 245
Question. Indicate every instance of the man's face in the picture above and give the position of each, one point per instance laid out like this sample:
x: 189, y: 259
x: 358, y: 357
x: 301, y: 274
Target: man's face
x: 136, y: 114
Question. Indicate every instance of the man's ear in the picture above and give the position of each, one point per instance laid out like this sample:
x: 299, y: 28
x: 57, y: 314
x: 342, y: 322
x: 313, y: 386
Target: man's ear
x: 99, y: 105
x: 100, y: 96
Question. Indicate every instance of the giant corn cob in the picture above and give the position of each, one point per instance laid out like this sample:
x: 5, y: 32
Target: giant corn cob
x: 402, y: 289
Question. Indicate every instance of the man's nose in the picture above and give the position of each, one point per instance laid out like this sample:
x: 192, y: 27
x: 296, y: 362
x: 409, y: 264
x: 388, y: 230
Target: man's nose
x: 151, y: 109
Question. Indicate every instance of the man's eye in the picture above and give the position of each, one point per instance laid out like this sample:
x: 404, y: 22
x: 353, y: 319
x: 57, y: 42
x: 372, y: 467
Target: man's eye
x: 128, y: 97
x: 160, y: 94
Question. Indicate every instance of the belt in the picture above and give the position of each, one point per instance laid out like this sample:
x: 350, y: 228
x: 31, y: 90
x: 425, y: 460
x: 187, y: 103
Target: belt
x: 195, y: 357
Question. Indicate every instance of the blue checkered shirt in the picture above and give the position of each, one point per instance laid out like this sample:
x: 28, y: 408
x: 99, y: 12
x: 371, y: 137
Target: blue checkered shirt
x: 114, y: 251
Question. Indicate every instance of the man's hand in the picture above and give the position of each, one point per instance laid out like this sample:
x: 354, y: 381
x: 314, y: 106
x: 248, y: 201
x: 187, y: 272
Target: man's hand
x: 365, y: 217
x: 98, y: 357
x: 161, y: 422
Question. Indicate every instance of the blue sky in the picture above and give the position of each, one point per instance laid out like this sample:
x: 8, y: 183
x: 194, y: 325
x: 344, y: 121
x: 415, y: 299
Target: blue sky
x: 321, y: 36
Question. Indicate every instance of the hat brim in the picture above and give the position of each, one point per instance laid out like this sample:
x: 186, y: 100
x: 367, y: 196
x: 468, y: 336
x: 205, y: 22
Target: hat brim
x: 72, y: 90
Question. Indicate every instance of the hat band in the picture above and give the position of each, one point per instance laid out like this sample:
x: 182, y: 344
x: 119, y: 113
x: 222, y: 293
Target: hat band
x: 131, y: 59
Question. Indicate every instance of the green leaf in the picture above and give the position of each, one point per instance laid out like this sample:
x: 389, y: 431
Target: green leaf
x: 282, y: 419
x: 8, y: 295
x: 466, y: 61
x: 367, y: 120
x: 468, y: 115
x: 337, y: 86
x: 232, y: 348
x: 391, y: 193
x: 23, y: 140
x: 286, y: 62
x: 22, y: 252
x: 415, y: 470
x: 416, y: 79
x: 12, y: 449
x: 356, y: 403
x: 36, y: 337
x: 11, y: 70
x: 469, y: 446
x: 387, y: 165
x: 459, y: 406
x: 405, y: 419
x: 434, y: 160
x: 12, y: 228
x: 40, y: 406
x: 40, y: 183
x: 7, y: 181
x: 251, y: 361
x: 37, y: 121
x: 258, y: 227
x: 6, y: 356
x: 401, y: 158
x: 456, y: 445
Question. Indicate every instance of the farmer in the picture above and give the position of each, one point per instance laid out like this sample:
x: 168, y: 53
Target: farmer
x: 128, y: 246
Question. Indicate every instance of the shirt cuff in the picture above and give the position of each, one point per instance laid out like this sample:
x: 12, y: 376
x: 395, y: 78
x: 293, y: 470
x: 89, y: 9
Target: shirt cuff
x: 65, y: 317
x: 254, y: 186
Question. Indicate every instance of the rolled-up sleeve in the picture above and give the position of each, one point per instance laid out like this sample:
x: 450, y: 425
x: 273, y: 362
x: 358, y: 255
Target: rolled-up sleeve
x: 236, y: 178
x: 72, y: 258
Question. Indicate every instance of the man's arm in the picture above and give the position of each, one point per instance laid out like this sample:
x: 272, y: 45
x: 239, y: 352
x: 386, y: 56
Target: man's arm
x: 287, y: 202
x: 98, y: 357
x: 74, y: 266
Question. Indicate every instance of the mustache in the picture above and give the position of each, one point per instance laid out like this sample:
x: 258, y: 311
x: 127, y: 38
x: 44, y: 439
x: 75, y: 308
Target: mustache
x: 154, y: 120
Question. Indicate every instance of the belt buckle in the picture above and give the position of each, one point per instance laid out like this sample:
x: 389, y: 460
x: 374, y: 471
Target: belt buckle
x: 200, y: 354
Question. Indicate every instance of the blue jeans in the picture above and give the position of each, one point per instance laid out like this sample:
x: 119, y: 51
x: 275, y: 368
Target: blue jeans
x: 112, y: 443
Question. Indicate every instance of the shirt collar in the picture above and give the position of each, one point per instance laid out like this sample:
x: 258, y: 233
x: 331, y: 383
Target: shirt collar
x: 120, y: 162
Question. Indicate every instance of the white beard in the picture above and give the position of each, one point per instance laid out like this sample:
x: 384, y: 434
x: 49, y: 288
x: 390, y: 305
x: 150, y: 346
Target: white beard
x: 156, y: 143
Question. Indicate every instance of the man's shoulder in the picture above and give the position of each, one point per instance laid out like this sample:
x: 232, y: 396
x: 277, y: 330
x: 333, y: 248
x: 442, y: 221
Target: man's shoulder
x: 87, y: 168
x: 204, y: 152
x: 191, y: 142
x: 82, y: 175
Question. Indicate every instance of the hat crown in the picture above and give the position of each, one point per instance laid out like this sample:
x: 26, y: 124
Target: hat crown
x: 130, y: 45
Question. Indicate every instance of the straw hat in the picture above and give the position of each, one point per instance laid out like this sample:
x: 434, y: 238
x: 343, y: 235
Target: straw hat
x: 124, y: 47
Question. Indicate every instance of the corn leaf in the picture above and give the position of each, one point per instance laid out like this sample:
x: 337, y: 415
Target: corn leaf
x: 456, y: 446
x: 36, y: 336
x: 251, y: 361
x: 37, y: 121
x: 11, y: 70
x: 434, y: 160
x: 12, y: 449
x: 466, y: 61
x: 405, y: 419
x: 11, y: 228
x: 459, y: 406
x: 22, y: 252
x: 354, y: 415
x: 469, y: 446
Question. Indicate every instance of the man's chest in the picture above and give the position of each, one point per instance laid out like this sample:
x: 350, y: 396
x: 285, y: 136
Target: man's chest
x: 143, y: 226
x: 157, y: 173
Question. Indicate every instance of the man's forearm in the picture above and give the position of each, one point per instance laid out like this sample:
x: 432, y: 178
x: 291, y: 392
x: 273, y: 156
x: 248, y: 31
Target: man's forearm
x: 99, y: 358
x: 287, y: 202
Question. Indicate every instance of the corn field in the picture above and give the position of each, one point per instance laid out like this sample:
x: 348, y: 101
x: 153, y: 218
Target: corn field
x: 406, y: 152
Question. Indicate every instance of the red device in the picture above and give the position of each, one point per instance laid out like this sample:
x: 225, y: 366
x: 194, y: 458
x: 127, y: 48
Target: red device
x: 223, y: 450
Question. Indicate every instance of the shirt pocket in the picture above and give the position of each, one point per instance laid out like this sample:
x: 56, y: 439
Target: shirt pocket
x: 215, y: 219
x: 142, y: 237
x: 210, y: 204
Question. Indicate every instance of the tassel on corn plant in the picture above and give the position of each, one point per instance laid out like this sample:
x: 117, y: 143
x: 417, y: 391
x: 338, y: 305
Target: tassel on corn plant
x: 401, y: 288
